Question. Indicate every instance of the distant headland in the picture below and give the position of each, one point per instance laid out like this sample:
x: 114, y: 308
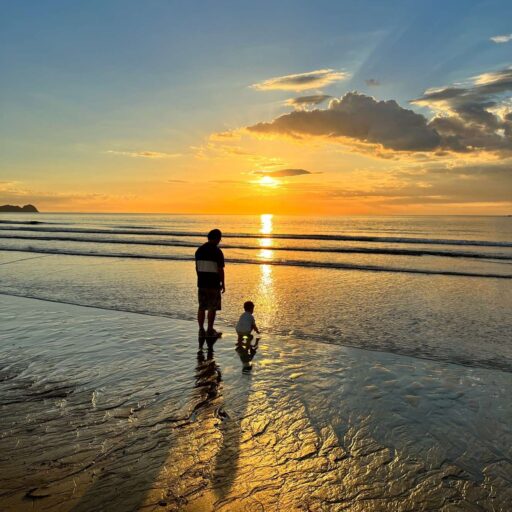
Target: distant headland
x: 28, y: 208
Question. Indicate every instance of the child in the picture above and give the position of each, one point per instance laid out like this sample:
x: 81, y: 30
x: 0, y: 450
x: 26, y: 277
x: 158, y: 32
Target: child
x: 246, y: 324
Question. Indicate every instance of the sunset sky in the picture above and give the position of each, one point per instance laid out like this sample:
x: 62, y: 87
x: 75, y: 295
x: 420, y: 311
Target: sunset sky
x: 328, y: 107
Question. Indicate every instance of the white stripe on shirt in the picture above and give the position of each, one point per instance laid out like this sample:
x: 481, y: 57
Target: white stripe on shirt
x: 207, y: 266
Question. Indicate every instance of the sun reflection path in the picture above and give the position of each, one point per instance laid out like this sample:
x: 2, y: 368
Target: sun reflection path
x: 266, y: 281
x: 266, y: 293
x: 266, y: 228
x: 266, y: 223
x: 266, y: 254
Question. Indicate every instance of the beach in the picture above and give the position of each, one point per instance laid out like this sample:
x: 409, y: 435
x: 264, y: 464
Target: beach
x: 106, y: 410
x: 377, y: 385
x: 256, y: 256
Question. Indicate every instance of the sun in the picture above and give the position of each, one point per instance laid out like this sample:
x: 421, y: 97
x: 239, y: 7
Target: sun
x: 268, y: 181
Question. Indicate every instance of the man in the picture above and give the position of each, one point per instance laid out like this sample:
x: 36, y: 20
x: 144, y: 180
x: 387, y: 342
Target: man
x: 210, y: 281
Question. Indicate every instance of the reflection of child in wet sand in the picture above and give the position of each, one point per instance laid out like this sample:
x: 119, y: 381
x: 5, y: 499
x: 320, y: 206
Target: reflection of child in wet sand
x: 246, y: 323
x: 246, y: 351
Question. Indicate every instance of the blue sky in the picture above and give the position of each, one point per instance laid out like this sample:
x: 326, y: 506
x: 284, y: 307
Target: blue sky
x: 80, y: 78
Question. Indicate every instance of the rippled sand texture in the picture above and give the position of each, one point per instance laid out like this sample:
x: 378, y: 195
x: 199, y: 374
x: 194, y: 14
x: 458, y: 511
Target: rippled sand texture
x: 112, y: 411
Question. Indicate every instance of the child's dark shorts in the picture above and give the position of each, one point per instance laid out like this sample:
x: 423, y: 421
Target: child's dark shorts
x: 209, y: 299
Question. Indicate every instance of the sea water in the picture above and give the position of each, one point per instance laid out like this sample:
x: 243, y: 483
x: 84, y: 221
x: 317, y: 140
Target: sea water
x: 434, y: 287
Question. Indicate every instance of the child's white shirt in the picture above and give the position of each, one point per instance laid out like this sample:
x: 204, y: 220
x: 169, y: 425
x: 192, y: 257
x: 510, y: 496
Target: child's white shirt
x: 245, y: 322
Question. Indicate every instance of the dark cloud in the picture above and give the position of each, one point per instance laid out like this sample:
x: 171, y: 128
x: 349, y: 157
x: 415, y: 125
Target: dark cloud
x: 302, y: 81
x: 461, y: 136
x: 306, y: 101
x: 494, y: 83
x: 468, y: 116
x: 282, y: 173
x: 484, y: 90
x: 474, y: 117
x: 372, y: 82
x: 434, y: 95
x: 359, y: 117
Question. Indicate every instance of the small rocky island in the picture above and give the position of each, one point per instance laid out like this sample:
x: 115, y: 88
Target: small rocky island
x: 28, y: 208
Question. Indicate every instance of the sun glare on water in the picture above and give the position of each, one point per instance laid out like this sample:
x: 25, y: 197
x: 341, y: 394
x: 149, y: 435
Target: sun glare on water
x: 265, y: 243
x: 266, y: 223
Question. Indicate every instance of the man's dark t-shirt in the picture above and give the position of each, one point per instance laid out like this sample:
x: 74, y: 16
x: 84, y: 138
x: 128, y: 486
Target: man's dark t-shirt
x: 209, y: 259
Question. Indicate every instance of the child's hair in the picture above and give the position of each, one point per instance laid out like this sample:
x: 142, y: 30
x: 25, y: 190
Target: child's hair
x: 248, y: 306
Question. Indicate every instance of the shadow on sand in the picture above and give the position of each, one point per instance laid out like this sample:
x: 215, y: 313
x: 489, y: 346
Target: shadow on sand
x: 125, y: 475
x: 226, y: 463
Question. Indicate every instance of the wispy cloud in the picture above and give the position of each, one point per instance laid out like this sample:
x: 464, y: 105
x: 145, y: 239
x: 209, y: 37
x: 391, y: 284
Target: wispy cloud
x: 372, y: 82
x: 501, y: 39
x: 424, y: 185
x: 15, y: 192
x: 6, y: 186
x: 283, y: 173
x: 460, y: 184
x: 302, y: 81
x: 144, y: 154
x: 227, y: 182
x: 214, y: 150
x: 228, y: 135
x: 302, y: 102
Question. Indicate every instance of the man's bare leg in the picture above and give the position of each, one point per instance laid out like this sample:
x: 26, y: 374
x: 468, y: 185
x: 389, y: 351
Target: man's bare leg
x: 200, y: 318
x: 211, y: 319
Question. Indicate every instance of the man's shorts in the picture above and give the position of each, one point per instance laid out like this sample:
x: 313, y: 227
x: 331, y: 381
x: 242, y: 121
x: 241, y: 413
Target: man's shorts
x: 209, y: 299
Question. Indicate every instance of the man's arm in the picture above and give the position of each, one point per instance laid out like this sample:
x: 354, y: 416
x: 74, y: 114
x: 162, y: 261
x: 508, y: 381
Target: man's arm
x: 222, y: 282
x: 220, y: 263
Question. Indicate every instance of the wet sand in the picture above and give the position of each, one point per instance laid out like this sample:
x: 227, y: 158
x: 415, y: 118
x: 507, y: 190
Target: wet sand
x: 104, y: 410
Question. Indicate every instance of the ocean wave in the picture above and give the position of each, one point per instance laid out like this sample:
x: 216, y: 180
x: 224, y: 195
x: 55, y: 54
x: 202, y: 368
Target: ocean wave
x: 132, y: 226
x: 339, y: 250
x: 25, y: 222
x: 249, y: 261
x: 277, y: 236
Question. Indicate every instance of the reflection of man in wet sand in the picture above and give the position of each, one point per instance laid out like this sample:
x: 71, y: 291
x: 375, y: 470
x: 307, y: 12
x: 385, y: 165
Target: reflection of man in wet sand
x: 208, y: 375
x: 246, y: 351
x: 210, y: 281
